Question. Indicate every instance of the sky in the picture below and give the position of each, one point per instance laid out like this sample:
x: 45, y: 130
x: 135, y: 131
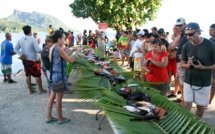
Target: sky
x: 198, y: 11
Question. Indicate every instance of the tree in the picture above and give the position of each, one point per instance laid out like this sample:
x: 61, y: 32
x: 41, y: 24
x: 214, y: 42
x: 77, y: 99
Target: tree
x: 117, y: 13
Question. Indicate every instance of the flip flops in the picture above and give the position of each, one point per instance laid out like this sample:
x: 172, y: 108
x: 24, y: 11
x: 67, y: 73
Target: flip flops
x: 65, y: 120
x: 52, y: 120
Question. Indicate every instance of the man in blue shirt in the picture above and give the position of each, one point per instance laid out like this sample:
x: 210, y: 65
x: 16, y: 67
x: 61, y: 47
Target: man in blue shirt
x: 72, y: 41
x: 6, y: 58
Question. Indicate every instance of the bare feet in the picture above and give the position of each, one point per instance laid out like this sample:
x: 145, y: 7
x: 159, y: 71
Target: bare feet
x: 42, y: 91
x: 32, y: 91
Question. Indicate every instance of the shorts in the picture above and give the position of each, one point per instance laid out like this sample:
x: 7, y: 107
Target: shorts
x: 6, y: 69
x: 32, y: 68
x: 124, y: 53
x: 164, y: 88
x: 171, y: 67
x: 199, y: 97
x: 180, y: 74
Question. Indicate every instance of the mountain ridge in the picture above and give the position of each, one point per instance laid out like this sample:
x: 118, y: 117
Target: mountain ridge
x: 38, y: 21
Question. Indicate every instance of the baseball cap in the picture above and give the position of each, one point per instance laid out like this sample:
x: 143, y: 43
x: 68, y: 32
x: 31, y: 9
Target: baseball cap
x: 161, y: 31
x: 180, y: 21
x: 212, y: 26
x: 154, y: 28
x: 192, y: 26
x: 141, y: 33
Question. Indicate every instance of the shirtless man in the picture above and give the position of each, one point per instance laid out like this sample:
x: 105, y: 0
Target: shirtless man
x: 180, y: 24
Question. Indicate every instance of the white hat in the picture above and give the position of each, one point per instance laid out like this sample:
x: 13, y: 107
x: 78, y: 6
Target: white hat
x: 141, y: 33
x: 180, y: 21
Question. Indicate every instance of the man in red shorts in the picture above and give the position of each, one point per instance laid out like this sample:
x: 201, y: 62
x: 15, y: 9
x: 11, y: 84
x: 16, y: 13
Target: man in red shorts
x: 27, y: 47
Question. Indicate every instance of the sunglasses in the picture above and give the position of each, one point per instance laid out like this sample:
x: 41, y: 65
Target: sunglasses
x: 190, y: 34
x: 178, y: 25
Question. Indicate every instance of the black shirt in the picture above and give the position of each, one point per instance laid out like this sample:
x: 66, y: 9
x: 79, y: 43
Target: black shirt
x: 212, y: 40
x: 205, y: 53
x: 182, y: 41
x: 45, y: 59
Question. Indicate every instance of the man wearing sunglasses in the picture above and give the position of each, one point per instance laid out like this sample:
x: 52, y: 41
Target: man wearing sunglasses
x: 180, y: 25
x: 198, y: 59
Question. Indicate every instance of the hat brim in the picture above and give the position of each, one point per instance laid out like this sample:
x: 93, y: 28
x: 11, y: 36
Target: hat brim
x: 179, y: 23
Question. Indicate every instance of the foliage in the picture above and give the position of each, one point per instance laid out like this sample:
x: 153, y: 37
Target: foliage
x: 12, y: 26
x: 38, y: 20
x: 117, y: 13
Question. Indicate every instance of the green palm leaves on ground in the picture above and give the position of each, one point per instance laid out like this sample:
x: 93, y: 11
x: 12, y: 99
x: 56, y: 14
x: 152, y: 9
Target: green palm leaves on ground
x: 100, y: 90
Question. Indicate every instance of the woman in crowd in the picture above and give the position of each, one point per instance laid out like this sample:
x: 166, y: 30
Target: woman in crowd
x: 138, y: 54
x: 58, y: 60
x: 154, y: 65
x: 146, y: 49
x: 46, y: 62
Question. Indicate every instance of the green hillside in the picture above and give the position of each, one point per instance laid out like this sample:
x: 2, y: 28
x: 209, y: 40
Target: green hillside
x: 12, y: 26
x: 38, y: 20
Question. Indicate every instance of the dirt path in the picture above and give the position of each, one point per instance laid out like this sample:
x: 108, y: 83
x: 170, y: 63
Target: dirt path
x: 21, y: 113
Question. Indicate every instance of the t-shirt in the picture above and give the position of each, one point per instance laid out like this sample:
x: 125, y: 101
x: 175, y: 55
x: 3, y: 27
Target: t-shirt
x: 138, y: 46
x: 84, y: 40
x: 116, y: 54
x: 6, y: 50
x: 50, y: 30
x: 69, y: 39
x: 45, y: 59
x: 72, y: 41
x: 133, y: 49
x: 131, y: 44
x: 182, y: 41
x: 205, y: 53
x: 123, y: 41
x: 29, y: 47
x: 212, y: 40
x: 157, y: 74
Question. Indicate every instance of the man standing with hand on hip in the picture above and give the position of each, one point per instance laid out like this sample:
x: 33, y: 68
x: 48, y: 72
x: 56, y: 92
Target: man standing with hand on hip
x: 198, y: 59
x: 27, y: 47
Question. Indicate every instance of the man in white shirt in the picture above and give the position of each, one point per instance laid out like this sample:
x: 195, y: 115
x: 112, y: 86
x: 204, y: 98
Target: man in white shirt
x: 27, y: 47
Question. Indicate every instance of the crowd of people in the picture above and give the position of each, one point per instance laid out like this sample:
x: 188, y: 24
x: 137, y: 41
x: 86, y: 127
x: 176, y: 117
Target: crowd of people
x: 152, y: 56
x: 187, y: 57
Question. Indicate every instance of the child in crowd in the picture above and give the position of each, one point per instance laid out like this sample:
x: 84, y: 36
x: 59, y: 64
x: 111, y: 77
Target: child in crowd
x: 115, y: 55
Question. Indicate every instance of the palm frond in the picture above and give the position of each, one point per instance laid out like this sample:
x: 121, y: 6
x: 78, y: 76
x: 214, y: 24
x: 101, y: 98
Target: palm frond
x: 99, y: 90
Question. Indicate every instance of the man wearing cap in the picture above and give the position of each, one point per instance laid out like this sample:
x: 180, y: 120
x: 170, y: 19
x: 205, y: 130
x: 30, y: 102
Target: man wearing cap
x: 180, y: 25
x: 212, y: 34
x: 154, y: 30
x: 198, y: 59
